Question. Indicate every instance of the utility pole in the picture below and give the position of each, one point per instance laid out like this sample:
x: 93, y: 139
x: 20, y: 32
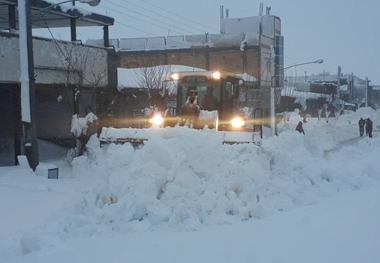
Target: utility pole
x: 29, y: 143
x: 338, y: 82
x: 366, y: 91
x: 272, y: 110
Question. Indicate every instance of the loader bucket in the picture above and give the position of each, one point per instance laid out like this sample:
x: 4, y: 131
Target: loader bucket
x: 137, y: 143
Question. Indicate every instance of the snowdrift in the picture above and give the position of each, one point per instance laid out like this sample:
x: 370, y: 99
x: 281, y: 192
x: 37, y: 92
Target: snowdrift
x: 184, y: 178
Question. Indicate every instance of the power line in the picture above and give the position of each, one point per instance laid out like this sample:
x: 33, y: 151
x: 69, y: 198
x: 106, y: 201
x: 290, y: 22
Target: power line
x: 134, y: 28
x: 147, y: 19
x: 177, y: 15
x: 183, y: 25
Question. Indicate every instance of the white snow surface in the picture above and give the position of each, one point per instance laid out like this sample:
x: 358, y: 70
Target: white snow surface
x: 151, y: 199
x: 79, y: 125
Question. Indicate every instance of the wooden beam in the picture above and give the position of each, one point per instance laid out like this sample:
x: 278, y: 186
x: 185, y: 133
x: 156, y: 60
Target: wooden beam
x: 73, y: 29
x: 106, y: 36
x: 12, y: 17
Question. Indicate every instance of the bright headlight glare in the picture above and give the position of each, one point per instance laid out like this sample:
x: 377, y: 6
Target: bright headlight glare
x: 157, y: 120
x: 175, y: 76
x: 216, y: 75
x: 237, y: 122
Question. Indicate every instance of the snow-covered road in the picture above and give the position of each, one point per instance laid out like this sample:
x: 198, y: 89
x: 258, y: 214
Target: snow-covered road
x: 345, y: 228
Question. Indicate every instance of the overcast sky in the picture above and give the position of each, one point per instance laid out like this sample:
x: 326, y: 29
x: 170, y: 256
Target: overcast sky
x: 342, y: 32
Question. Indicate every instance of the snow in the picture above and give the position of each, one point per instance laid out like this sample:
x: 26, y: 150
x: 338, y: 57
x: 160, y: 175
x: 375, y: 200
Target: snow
x: 341, y: 229
x: 186, y: 197
x: 179, y: 42
x: 79, y: 125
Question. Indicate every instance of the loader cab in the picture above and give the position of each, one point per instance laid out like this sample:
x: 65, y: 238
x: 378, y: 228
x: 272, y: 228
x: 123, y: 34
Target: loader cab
x: 210, y: 91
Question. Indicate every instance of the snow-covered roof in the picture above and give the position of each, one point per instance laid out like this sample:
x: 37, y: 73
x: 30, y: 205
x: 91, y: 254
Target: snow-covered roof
x: 179, y: 42
x: 56, y: 16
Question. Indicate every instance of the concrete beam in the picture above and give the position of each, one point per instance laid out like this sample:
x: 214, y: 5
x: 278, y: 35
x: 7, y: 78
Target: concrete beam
x: 106, y: 36
x: 73, y: 29
x: 12, y: 17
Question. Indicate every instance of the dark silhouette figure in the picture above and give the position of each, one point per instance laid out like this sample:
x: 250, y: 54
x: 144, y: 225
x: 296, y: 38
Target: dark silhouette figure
x: 368, y: 127
x: 361, y: 127
x: 299, y: 128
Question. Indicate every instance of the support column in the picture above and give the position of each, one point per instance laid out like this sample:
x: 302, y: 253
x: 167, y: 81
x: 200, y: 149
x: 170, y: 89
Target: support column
x: 106, y: 36
x: 207, y: 58
x: 73, y: 29
x: 12, y: 17
x: 29, y: 143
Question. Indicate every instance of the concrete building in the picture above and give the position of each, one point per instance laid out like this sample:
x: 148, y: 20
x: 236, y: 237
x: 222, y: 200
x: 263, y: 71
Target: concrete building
x: 61, y: 69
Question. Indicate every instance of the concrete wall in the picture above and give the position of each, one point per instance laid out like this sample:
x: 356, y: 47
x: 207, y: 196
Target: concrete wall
x: 87, y: 67
x: 230, y: 59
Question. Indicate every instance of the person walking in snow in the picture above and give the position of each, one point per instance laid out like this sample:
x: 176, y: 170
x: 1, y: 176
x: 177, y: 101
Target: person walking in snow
x: 299, y: 128
x: 368, y: 127
x: 361, y: 127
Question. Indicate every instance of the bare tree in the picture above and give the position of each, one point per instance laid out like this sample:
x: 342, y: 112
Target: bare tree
x: 79, y: 71
x: 319, y: 114
x: 154, y: 78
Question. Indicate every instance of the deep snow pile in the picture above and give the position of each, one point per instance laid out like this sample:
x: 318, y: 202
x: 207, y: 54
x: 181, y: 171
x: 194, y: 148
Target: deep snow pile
x: 183, y: 178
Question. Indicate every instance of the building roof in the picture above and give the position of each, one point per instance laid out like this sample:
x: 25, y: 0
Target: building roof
x: 57, y: 16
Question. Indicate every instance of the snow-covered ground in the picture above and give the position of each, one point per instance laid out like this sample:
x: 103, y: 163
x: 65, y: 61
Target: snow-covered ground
x: 186, y: 197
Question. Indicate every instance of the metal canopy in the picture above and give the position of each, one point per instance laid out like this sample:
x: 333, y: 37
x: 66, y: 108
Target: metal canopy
x: 57, y: 16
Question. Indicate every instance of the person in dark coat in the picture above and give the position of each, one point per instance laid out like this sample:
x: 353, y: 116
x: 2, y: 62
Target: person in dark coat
x: 361, y: 127
x: 299, y: 128
x: 368, y: 127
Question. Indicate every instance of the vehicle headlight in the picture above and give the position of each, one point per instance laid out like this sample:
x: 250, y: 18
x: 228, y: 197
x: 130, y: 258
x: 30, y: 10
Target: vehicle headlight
x: 157, y: 120
x: 216, y: 75
x: 175, y: 76
x: 237, y: 122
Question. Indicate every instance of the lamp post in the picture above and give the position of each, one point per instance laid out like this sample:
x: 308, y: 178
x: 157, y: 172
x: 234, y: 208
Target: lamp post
x: 29, y: 142
x: 272, y: 92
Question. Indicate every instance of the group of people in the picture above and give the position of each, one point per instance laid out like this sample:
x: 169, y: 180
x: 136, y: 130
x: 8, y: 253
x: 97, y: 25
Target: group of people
x: 366, y: 124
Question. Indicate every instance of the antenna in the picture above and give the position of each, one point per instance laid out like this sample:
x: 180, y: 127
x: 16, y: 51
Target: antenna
x: 268, y: 9
x: 221, y: 19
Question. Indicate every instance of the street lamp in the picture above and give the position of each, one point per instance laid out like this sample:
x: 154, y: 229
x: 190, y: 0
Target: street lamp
x: 272, y: 92
x: 318, y: 61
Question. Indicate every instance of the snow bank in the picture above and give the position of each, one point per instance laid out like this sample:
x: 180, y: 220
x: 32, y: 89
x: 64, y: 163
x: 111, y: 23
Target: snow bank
x: 79, y: 125
x: 184, y: 178
x: 180, y: 177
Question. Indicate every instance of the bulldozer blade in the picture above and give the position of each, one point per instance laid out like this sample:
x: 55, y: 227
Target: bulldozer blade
x: 237, y: 142
x: 137, y: 143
